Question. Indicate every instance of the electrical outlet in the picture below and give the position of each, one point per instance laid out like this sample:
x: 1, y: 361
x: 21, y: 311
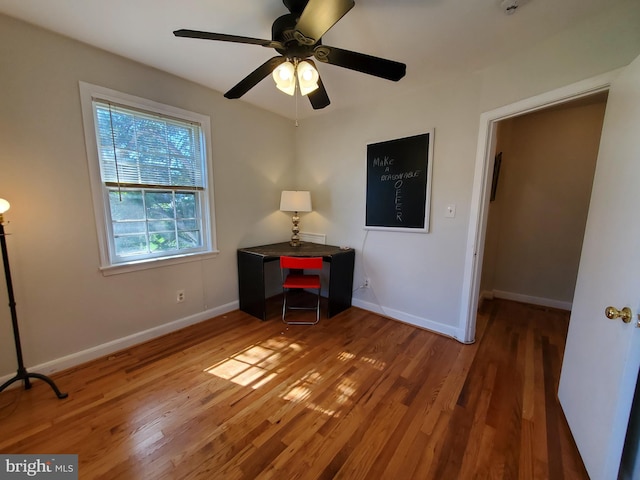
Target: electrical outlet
x: 366, y: 283
x: 180, y: 296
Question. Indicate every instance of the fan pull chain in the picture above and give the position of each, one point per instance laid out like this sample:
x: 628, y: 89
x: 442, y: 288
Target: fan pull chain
x: 296, y: 95
x: 296, y: 87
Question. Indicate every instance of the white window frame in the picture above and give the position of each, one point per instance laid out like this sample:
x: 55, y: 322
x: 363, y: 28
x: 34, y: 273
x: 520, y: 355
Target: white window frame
x: 109, y: 263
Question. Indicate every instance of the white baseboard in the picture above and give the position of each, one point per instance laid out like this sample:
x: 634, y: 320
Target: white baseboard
x: 98, y: 351
x: 519, y: 297
x: 447, y: 330
x: 485, y: 295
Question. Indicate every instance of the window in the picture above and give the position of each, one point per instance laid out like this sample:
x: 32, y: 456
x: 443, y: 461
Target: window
x: 148, y: 164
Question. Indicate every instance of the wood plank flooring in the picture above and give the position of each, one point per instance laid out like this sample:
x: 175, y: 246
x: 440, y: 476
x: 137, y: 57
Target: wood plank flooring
x: 357, y: 396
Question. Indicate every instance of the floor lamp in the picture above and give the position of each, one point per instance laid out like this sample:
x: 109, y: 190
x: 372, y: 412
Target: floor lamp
x: 22, y: 371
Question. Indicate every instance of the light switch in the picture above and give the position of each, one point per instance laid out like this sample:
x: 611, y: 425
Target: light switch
x: 451, y: 210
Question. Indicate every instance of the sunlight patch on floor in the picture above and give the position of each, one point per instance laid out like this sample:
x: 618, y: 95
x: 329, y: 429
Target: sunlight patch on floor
x: 346, y: 356
x: 258, y: 364
x: 253, y: 366
x: 377, y: 364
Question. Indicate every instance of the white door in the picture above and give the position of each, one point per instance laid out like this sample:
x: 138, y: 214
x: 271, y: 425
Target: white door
x: 602, y: 356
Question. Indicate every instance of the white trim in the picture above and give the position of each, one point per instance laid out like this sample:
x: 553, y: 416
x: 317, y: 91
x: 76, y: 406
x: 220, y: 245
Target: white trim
x: 156, y: 262
x: 482, y: 180
x: 98, y: 351
x: 519, y: 297
x: 409, y: 318
x: 99, y: 194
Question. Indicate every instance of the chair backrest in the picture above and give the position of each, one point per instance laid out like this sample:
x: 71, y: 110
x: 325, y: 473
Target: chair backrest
x: 301, y: 263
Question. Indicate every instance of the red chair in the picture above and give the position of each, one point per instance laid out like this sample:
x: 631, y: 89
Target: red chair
x: 293, y: 276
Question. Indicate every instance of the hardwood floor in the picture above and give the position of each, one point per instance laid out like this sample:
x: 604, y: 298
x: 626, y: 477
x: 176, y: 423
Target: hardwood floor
x: 357, y: 396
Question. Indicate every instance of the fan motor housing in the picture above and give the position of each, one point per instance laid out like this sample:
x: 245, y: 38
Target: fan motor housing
x: 295, y: 6
x: 283, y: 31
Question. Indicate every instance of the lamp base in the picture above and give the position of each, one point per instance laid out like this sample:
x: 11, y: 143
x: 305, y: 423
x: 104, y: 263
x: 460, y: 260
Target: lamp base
x: 25, y: 376
x: 294, y: 242
x: 295, y: 238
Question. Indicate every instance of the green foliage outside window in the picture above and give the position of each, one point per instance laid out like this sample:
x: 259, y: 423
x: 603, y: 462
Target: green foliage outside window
x: 152, y: 167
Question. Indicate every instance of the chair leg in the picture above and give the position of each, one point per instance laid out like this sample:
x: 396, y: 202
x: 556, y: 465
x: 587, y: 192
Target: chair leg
x: 284, y: 304
x: 284, y: 310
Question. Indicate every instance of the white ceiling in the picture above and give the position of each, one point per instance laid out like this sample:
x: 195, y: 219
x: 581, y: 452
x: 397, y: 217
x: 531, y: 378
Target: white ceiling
x: 433, y: 37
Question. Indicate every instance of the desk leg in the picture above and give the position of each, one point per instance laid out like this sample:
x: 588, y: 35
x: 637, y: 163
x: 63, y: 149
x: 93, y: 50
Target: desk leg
x: 251, y: 285
x: 341, y: 282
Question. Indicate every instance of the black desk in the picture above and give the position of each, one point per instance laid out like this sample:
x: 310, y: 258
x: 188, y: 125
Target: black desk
x: 251, y: 283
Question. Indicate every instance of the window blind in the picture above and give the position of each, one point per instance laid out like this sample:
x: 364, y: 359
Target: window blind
x: 140, y: 150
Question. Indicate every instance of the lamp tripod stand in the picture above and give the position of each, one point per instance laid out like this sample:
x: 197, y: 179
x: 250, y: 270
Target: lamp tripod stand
x: 22, y: 374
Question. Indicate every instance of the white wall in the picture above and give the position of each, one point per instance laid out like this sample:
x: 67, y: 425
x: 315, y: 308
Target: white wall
x: 64, y: 304
x: 418, y: 277
x: 407, y: 270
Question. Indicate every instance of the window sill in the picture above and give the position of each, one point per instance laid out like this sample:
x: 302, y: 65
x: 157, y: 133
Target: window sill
x: 156, y: 263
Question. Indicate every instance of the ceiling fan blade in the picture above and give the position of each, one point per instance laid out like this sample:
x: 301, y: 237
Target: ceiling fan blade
x: 360, y: 62
x: 318, y: 17
x: 318, y: 98
x: 226, y: 38
x: 254, y: 77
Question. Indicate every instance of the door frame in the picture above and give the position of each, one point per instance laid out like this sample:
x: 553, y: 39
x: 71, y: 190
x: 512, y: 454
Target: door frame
x: 482, y: 185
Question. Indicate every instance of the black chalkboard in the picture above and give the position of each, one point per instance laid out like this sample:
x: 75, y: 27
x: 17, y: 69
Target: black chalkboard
x: 398, y: 183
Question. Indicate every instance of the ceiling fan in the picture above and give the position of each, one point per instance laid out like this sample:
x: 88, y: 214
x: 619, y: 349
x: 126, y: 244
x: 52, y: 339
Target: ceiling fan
x: 297, y: 36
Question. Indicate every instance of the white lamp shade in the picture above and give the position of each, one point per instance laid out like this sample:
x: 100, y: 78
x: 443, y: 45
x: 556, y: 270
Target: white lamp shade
x: 4, y: 205
x: 295, y: 201
x: 285, y: 78
x: 307, y: 77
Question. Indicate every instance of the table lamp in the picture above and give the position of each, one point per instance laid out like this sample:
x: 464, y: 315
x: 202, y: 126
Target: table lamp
x: 295, y: 201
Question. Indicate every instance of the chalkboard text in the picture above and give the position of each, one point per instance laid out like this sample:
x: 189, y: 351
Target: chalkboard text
x: 400, y: 176
x: 385, y: 162
x: 398, y: 200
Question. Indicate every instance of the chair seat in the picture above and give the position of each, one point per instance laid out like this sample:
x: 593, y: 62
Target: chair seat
x: 302, y: 281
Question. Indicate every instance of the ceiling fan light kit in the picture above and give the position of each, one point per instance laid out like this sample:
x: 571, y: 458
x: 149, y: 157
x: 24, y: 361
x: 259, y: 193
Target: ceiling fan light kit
x: 286, y: 74
x: 297, y: 36
x: 285, y: 78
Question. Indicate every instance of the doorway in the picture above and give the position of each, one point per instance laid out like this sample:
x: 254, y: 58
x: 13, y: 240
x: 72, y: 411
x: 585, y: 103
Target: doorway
x: 479, y: 211
x: 544, y: 164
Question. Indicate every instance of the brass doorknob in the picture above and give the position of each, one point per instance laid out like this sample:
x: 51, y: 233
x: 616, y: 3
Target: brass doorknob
x: 613, y: 313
